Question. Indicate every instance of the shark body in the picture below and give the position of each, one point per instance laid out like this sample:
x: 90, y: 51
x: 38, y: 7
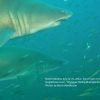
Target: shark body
x: 23, y: 17
x: 16, y: 62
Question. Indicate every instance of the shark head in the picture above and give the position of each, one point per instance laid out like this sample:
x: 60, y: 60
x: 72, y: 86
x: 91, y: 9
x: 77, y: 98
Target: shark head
x: 46, y: 17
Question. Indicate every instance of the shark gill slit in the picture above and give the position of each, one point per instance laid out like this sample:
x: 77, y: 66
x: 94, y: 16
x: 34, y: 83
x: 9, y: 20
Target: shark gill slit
x: 26, y: 23
x: 12, y: 18
x: 22, y: 24
x: 15, y: 22
x: 25, y: 29
x: 19, y: 24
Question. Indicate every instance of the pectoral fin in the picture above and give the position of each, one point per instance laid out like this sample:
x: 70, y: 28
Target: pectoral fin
x: 5, y: 35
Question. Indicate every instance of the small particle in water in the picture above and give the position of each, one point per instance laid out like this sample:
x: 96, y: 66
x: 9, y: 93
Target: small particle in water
x: 88, y: 46
x: 65, y: 50
x: 85, y: 94
x: 84, y: 57
x: 66, y: 62
x: 81, y: 66
x: 91, y: 35
x: 11, y: 70
x: 90, y: 60
x: 17, y: 86
x: 25, y: 56
x: 41, y: 61
x: 69, y: 44
x: 98, y: 56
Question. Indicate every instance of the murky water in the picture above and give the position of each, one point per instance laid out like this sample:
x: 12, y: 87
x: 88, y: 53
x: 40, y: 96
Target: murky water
x: 69, y: 50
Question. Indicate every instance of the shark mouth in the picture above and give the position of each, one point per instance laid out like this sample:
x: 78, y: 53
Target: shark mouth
x: 59, y: 20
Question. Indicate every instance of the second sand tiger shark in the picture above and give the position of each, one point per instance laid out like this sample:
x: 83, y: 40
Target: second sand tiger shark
x: 17, y: 62
x: 23, y: 17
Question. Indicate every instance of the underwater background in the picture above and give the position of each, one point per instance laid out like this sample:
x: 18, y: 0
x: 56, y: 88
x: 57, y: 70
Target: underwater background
x: 76, y: 42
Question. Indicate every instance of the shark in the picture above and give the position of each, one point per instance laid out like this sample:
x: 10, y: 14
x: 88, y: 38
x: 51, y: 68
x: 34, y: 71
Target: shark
x: 17, y: 62
x: 24, y: 17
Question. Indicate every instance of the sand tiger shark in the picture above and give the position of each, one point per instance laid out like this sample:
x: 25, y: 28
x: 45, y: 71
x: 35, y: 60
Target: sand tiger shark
x: 23, y: 17
x: 15, y: 62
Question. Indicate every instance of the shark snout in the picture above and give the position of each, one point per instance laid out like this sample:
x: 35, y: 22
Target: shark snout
x: 61, y: 16
x: 65, y: 15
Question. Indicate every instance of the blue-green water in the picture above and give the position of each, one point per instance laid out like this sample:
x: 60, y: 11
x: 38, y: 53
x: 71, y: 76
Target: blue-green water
x: 76, y: 42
